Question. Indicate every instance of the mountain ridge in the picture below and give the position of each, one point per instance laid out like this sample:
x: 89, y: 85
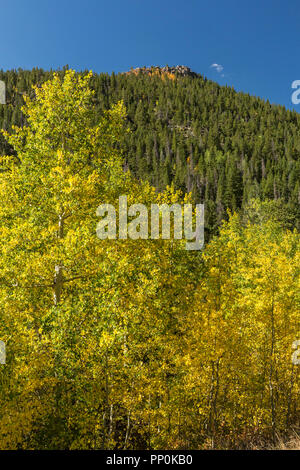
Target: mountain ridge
x: 223, y: 146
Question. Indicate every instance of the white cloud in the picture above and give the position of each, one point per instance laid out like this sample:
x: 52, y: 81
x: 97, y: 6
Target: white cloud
x: 218, y: 67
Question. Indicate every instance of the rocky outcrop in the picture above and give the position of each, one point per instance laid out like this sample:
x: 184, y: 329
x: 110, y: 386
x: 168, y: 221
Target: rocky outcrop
x: 178, y: 70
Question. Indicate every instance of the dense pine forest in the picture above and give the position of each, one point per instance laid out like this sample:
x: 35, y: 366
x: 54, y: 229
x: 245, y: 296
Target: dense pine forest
x: 139, y: 343
x: 224, y: 147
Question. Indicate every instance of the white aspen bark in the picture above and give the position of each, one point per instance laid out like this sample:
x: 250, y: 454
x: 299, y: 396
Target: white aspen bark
x: 58, y: 274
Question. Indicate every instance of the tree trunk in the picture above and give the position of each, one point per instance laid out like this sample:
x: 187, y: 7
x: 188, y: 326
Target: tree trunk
x: 58, y: 275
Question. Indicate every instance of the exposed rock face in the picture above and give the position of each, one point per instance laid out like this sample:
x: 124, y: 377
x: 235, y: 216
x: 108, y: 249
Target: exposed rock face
x: 181, y: 70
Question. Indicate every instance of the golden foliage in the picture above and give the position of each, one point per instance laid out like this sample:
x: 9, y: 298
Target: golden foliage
x: 131, y: 343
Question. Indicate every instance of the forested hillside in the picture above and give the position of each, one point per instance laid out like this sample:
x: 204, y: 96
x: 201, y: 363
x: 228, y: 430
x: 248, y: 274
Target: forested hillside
x: 223, y: 146
x: 139, y: 343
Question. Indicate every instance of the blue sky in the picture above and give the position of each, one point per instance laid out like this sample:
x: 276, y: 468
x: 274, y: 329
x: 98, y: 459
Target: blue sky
x: 256, y: 43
